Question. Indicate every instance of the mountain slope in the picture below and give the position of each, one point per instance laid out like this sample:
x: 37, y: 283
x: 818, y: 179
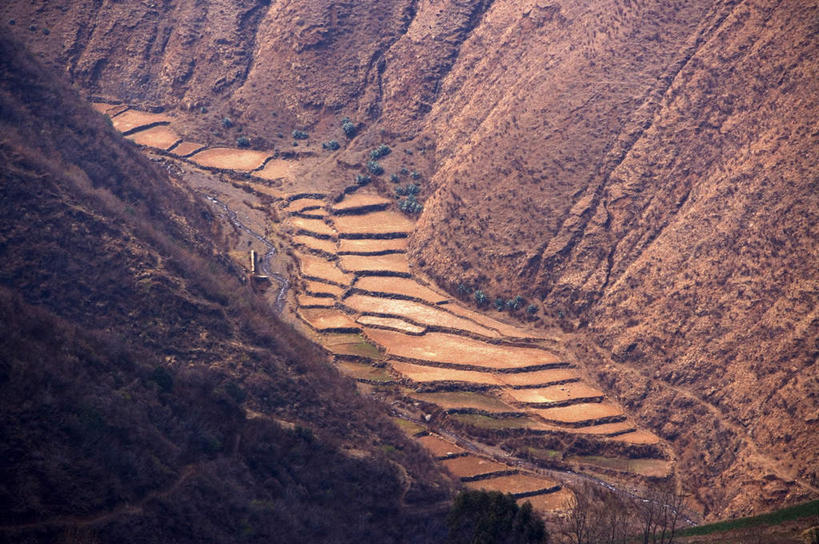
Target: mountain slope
x: 643, y: 172
x: 145, y: 393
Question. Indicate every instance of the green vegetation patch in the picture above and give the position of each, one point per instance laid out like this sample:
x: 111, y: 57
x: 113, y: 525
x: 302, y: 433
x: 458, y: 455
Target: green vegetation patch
x: 646, y: 467
x: 352, y: 344
x: 410, y: 428
x: 464, y: 399
x: 772, y: 518
x: 545, y: 454
x: 494, y: 423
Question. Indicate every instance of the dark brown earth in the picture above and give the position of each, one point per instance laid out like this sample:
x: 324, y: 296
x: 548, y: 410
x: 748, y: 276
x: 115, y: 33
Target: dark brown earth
x: 644, y: 173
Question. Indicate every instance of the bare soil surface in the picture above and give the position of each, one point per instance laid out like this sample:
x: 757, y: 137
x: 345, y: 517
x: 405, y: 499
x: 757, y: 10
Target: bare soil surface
x: 516, y: 484
x: 415, y: 312
x: 384, y: 265
x: 373, y: 225
x: 225, y: 158
x: 132, y: 120
x: 396, y: 245
x: 439, y: 447
x: 432, y: 374
x: 160, y: 137
x: 398, y: 286
x: 470, y: 466
x: 391, y: 323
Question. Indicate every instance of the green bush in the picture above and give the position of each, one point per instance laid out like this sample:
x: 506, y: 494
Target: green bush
x: 531, y: 309
x: 375, y: 168
x: 227, y: 123
x: 480, y: 298
x: 514, y: 304
x: 332, y: 145
x: 348, y: 127
x: 362, y: 179
x: 410, y: 205
x: 243, y: 141
x: 300, y: 135
x: 464, y: 289
x: 409, y: 190
x: 415, y: 175
x: 499, y: 303
x: 394, y: 178
x: 380, y: 151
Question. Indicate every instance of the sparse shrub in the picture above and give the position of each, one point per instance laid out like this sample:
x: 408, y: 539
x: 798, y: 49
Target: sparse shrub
x: 480, y: 298
x: 380, y: 151
x: 375, y: 168
x: 394, y: 178
x: 410, y: 205
x: 514, y: 304
x: 408, y: 190
x: 300, y: 135
x: 362, y: 179
x: 332, y: 145
x: 243, y: 141
x: 348, y: 127
x: 227, y: 123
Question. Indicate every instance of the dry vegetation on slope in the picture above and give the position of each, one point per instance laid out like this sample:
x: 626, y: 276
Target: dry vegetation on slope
x: 145, y: 395
x: 647, y: 168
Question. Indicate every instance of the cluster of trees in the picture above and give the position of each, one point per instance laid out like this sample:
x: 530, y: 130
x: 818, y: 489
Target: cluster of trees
x: 481, y: 299
x: 598, y: 516
x: 490, y: 517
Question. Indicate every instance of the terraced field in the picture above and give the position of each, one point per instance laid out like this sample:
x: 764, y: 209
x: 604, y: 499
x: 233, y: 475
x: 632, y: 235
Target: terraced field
x: 452, y: 368
x: 481, y: 373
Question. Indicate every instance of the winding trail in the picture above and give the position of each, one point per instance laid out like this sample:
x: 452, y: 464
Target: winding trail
x: 283, y: 282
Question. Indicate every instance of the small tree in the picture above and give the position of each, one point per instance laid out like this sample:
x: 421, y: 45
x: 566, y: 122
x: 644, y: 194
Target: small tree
x: 332, y: 145
x: 480, y: 298
x: 348, y: 127
x: 243, y: 141
x: 300, y: 135
x: 380, y: 151
x: 375, y: 168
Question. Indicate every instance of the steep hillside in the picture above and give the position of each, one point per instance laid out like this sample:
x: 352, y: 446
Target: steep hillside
x: 643, y: 172
x: 145, y: 395
x: 685, y: 247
